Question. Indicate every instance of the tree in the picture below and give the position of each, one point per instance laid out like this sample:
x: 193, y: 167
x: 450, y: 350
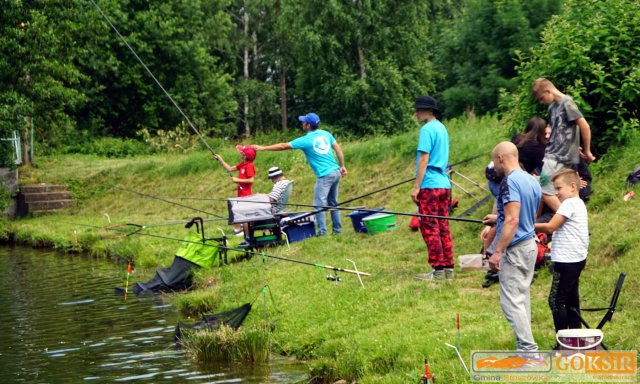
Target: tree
x: 359, y: 63
x: 476, y: 50
x: 590, y: 52
x: 177, y: 41
x: 37, y: 77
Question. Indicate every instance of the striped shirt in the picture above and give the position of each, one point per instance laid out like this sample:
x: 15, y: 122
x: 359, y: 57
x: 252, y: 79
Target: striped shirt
x: 571, y: 240
x: 276, y: 194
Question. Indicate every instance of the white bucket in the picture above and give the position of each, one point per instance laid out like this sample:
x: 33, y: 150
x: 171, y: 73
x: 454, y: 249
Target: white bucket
x: 580, y: 339
x: 471, y: 262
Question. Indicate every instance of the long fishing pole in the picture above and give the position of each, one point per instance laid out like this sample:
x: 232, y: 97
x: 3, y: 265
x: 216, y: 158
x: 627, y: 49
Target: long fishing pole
x: 468, y: 159
x: 337, y: 269
x: 170, y: 202
x: 386, y: 188
x: 328, y: 207
x: 193, y: 127
x: 325, y: 208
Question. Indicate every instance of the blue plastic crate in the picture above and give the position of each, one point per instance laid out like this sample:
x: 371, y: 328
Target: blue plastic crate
x: 357, y: 216
x: 300, y: 231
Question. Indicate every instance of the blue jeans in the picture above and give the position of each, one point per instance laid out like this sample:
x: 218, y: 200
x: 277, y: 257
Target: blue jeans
x: 325, y: 193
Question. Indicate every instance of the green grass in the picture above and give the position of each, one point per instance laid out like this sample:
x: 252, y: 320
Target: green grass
x: 380, y: 334
x: 226, y: 344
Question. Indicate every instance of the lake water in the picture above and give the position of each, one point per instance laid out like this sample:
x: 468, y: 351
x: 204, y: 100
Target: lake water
x: 60, y: 322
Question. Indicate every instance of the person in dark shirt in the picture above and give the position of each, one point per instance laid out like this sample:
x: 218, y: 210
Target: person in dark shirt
x: 531, y: 144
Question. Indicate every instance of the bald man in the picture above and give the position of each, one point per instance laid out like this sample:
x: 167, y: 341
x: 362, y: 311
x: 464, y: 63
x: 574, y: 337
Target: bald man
x: 515, y: 252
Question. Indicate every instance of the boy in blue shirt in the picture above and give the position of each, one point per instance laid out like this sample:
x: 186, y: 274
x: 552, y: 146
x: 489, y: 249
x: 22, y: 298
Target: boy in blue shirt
x: 432, y: 189
x: 317, y: 146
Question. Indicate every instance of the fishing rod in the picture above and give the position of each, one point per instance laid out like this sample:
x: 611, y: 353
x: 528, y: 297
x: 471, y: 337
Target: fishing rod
x: 325, y: 208
x: 128, y: 229
x: 193, y: 127
x: 386, y: 188
x: 337, y: 269
x: 171, y: 202
x: 468, y: 159
x: 328, y: 207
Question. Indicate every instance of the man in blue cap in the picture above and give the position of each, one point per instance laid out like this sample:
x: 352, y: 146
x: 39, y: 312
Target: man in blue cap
x: 317, y: 146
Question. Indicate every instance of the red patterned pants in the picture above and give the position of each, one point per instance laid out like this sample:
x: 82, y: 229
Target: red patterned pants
x: 435, y: 232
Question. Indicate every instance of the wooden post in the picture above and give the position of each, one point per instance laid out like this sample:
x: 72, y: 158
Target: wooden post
x: 283, y: 98
x: 26, y: 159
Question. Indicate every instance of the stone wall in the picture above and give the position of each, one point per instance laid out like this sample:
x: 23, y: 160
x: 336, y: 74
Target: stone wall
x: 9, y: 181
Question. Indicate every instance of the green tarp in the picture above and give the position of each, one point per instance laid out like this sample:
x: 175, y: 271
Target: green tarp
x: 193, y: 250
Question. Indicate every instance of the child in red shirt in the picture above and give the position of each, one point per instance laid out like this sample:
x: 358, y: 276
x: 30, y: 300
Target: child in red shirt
x: 246, y: 173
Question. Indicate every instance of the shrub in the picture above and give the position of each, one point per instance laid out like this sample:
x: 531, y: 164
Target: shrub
x: 588, y: 52
x: 111, y: 147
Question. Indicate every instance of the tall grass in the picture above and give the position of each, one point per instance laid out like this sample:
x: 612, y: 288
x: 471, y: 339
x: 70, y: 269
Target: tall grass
x: 227, y: 344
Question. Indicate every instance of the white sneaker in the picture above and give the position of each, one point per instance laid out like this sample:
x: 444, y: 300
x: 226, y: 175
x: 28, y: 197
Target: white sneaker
x: 448, y: 273
x: 430, y: 276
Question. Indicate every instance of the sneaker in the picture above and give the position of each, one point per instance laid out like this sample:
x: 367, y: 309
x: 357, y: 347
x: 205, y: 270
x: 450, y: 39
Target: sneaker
x: 448, y: 273
x: 433, y: 275
x: 238, y: 232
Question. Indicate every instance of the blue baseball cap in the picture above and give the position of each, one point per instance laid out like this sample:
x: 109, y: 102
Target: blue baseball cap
x: 310, y: 118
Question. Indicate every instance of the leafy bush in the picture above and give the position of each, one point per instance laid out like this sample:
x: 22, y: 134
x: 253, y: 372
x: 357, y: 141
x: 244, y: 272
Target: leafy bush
x: 111, y: 147
x: 179, y: 139
x: 590, y: 53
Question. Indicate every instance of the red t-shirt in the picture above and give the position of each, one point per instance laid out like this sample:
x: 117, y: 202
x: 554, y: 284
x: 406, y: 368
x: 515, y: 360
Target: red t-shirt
x: 245, y: 171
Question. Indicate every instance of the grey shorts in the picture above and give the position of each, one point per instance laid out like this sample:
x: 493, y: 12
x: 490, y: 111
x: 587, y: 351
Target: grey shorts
x: 550, y: 168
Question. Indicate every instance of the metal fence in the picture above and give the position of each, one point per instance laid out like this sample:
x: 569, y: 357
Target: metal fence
x: 15, y: 146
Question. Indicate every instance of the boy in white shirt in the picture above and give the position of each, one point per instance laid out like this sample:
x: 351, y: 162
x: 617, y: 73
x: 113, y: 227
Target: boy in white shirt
x: 569, y: 248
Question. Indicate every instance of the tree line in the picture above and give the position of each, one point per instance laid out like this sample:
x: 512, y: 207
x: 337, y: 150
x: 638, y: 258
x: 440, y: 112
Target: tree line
x: 240, y: 67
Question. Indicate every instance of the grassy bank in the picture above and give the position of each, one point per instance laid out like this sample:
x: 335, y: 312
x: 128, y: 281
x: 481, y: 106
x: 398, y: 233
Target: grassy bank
x: 379, y: 334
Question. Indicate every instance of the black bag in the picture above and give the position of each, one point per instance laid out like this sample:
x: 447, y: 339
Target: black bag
x: 634, y: 177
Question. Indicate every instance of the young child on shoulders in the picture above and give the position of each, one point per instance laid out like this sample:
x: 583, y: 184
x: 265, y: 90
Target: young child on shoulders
x: 570, y: 229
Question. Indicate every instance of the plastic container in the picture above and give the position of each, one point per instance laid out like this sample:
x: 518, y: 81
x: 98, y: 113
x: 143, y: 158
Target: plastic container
x: 380, y: 222
x: 357, y: 216
x: 300, y: 231
x: 471, y: 262
x: 579, y: 339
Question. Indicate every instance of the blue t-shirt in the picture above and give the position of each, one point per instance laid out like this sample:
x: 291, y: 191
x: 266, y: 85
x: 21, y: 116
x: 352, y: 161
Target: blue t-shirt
x: 317, y: 145
x: 520, y: 187
x: 434, y: 140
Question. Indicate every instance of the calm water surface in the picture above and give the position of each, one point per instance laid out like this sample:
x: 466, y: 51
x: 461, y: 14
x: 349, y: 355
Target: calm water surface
x: 60, y: 322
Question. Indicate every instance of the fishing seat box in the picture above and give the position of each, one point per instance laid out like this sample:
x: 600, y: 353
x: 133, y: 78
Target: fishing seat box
x: 380, y: 222
x: 357, y: 216
x: 249, y: 209
x: 298, y: 229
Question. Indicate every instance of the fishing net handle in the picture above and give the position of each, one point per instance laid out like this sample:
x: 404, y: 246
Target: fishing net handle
x: 121, y: 232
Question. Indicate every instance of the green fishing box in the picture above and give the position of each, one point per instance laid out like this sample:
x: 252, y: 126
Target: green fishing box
x: 380, y: 222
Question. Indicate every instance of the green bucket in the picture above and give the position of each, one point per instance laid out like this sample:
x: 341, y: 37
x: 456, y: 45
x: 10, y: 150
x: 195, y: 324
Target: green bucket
x: 380, y: 222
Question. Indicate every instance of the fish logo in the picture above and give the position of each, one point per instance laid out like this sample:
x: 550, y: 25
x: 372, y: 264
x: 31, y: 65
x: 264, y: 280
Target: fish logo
x: 321, y: 145
x: 513, y: 362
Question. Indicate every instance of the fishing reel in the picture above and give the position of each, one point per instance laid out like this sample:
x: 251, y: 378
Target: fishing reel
x: 335, y: 278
